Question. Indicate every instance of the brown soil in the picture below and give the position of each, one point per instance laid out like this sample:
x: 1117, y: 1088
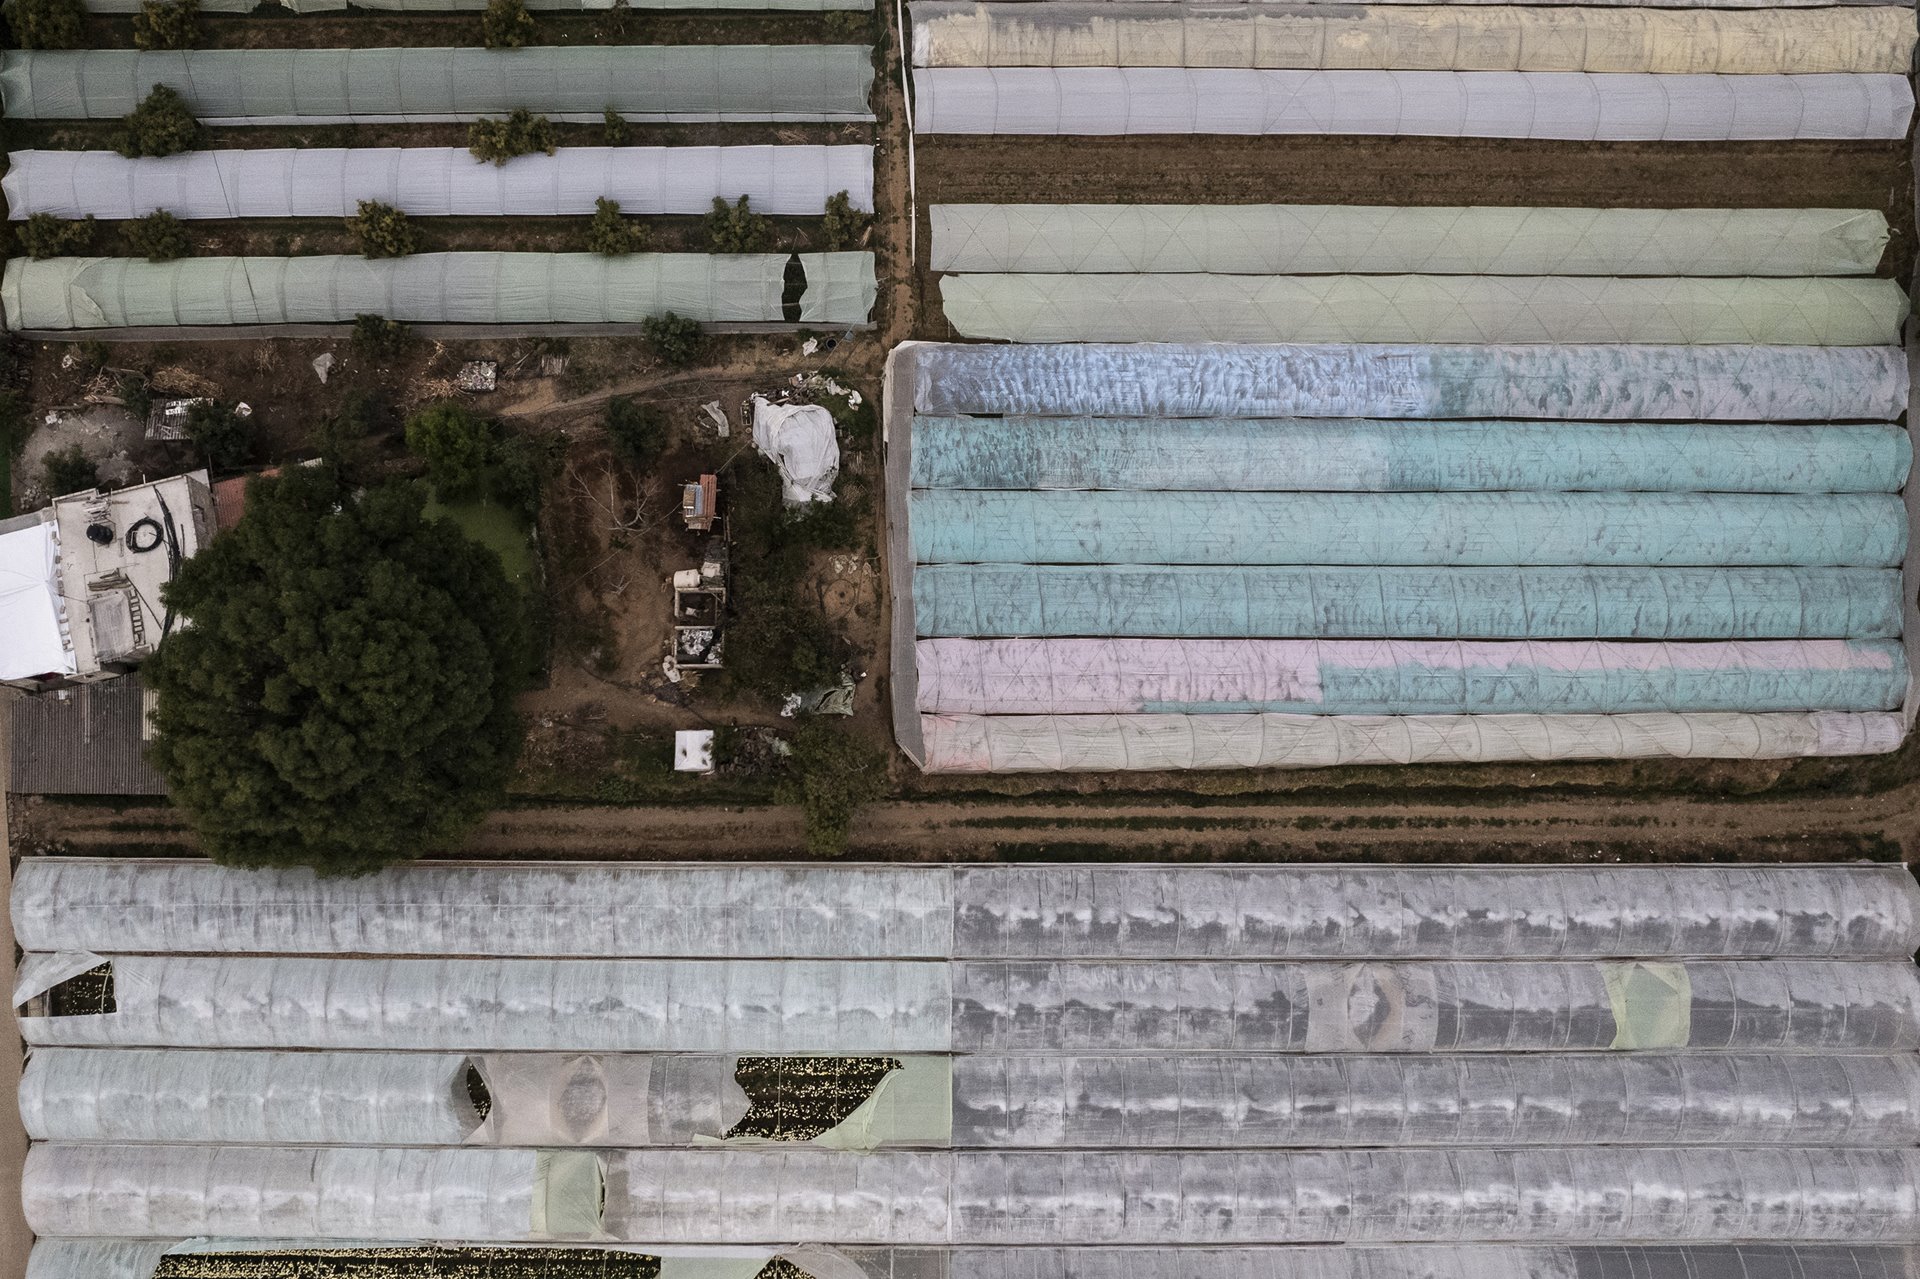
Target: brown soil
x: 378, y: 29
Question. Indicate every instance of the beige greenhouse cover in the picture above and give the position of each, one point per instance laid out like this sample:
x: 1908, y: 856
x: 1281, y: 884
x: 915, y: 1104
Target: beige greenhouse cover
x: 1314, y: 239
x: 1446, y: 37
x: 1423, y: 308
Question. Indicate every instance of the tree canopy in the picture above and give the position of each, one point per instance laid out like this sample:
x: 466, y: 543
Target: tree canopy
x: 337, y: 690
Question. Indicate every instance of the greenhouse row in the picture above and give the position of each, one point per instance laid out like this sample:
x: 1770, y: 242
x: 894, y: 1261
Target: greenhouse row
x: 1571, y: 106
x: 58, y: 294
x: 1424, y: 308
x: 690, y: 83
x: 557, y: 6
x: 438, y: 181
x: 1322, y: 239
x: 203, y: 1259
x: 984, y: 1101
x: 852, y: 1006
x: 1445, y: 37
x: 605, y: 910
x: 899, y: 1197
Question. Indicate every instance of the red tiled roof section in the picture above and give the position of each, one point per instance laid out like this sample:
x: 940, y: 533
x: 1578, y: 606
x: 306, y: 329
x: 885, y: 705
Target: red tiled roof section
x: 230, y: 499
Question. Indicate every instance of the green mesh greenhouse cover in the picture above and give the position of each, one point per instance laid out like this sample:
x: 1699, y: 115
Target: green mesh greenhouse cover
x: 447, y: 288
x: 1423, y: 308
x: 1316, y: 239
x: 263, y: 86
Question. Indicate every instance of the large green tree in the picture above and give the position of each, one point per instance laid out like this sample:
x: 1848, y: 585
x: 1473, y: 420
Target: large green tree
x: 337, y: 691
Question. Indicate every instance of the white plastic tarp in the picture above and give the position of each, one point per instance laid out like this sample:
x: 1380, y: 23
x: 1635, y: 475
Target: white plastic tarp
x: 800, y: 440
x: 1573, y: 106
x: 1424, y: 308
x: 33, y: 626
x: 1316, y: 239
x: 434, y: 181
x: 1106, y: 743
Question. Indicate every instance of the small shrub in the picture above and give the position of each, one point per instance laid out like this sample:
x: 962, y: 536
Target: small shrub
x: 48, y: 24
x: 507, y: 25
x: 616, y: 135
x: 459, y: 447
x: 637, y: 431
x: 736, y: 228
x: 842, y: 225
x: 69, y: 470
x: 167, y: 24
x: 157, y: 237
x: 612, y: 235
x: 135, y: 394
x: 375, y: 337
x: 834, y: 773
x: 849, y: 24
x: 382, y: 230
x: 223, y: 437
x: 343, y: 436
x: 674, y: 338
x: 160, y: 125
x: 44, y: 236
x: 521, y: 133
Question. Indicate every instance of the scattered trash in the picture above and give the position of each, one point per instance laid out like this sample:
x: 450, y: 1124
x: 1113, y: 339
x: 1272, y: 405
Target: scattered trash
x: 693, y: 750
x: 800, y: 440
x: 243, y: 409
x: 323, y: 365
x: 478, y: 375
x: 718, y: 417
x: 167, y: 419
x: 810, y: 347
x: 834, y: 699
x: 552, y: 365
x: 820, y: 383
x: 671, y: 669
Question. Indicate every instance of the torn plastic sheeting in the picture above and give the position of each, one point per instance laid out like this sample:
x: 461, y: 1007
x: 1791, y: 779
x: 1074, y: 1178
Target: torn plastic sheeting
x: 1571, y: 106
x: 800, y: 440
x: 1106, y: 743
x: 1578, y: 383
x: 40, y: 973
x: 912, y: 1106
x: 569, y: 1194
x: 1652, y: 1004
x: 841, y: 288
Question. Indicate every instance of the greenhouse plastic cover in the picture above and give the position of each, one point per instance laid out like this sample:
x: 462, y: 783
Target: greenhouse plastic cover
x: 994, y: 1198
x: 1107, y: 743
x: 1449, y: 529
x: 32, y: 610
x: 404, y: 1099
x: 1295, y: 911
x: 1595, y: 383
x: 1573, y: 106
x: 448, y: 288
x: 1198, y: 602
x: 433, y: 181
x: 1423, y: 308
x: 1314, y: 239
x: 1372, y: 456
x: 443, y: 6
x: 1116, y: 676
x: 692, y: 83
x: 584, y: 1005
x: 1442, y: 37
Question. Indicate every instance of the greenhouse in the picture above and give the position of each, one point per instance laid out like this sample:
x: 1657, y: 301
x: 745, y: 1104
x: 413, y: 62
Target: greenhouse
x: 691, y: 83
x: 59, y: 294
x: 1574, y: 106
x: 1552, y: 383
x: 606, y: 910
x: 1321, y: 239
x: 443, y: 6
x: 434, y: 181
x: 986, y: 1101
x: 1423, y: 308
x: 955, y: 33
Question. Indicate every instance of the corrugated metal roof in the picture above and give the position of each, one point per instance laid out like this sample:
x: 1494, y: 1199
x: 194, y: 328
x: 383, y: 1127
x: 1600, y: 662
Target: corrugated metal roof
x: 86, y: 740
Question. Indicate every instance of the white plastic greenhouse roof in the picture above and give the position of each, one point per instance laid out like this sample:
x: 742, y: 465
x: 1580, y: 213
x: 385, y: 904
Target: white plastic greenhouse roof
x: 444, y: 6
x: 1423, y: 308
x: 1574, y: 106
x: 433, y: 181
x: 663, y: 911
x: 1317, y: 239
x: 265, y: 86
x: 1442, y: 37
x: 449, y: 288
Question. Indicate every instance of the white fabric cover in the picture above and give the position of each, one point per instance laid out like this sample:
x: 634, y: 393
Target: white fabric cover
x: 1575, y: 106
x: 1423, y: 308
x: 1104, y: 743
x: 585, y: 910
x: 1442, y: 37
x: 1318, y: 239
x: 434, y: 181
x: 426, y: 288
x: 800, y: 440
x: 33, y: 624
x: 450, y: 1004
